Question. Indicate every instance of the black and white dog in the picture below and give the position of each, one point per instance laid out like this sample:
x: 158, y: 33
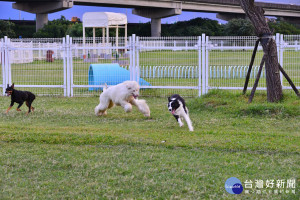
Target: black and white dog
x: 176, y: 106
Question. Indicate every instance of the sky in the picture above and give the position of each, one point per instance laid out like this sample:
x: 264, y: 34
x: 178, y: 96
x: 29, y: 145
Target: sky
x: 7, y: 12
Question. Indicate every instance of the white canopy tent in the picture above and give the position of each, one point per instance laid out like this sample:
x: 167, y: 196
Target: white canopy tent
x: 104, y: 20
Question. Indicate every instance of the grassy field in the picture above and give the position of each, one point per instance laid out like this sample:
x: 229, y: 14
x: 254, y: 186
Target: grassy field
x: 63, y: 151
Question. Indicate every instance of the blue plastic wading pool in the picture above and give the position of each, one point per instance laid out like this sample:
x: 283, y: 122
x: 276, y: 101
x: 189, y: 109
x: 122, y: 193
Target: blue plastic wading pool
x: 111, y: 74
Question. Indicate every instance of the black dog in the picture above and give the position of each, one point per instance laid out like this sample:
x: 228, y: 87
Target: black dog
x: 19, y: 97
x: 177, y: 107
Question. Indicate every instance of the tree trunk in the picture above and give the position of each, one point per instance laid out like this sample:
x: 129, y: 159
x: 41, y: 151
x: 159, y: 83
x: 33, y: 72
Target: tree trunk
x: 256, y: 15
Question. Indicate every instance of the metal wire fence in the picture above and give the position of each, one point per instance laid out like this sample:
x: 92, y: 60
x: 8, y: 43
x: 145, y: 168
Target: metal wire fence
x: 229, y: 58
x: 290, y: 58
x: 189, y: 66
x: 98, y: 51
x: 35, y: 65
x: 170, y: 62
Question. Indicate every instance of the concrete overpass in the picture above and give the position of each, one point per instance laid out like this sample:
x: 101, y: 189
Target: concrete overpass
x: 157, y: 9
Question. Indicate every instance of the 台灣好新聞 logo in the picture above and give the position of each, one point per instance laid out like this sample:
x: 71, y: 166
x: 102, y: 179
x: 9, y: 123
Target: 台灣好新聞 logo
x: 233, y: 186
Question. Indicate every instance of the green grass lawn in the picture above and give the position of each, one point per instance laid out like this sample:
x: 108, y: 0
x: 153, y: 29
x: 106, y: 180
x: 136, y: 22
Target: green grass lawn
x: 63, y: 151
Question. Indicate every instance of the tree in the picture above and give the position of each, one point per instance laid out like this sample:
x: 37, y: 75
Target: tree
x: 7, y: 29
x: 193, y: 27
x: 25, y: 31
x: 239, y: 27
x: 284, y: 28
x: 140, y: 29
x: 54, y: 29
x: 75, y: 30
x: 262, y: 30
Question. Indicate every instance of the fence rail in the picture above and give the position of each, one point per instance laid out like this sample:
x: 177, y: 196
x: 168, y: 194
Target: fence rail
x: 187, y: 65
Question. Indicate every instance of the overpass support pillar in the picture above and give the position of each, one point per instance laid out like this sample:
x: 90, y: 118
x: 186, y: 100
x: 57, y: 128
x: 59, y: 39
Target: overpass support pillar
x: 42, y: 8
x: 156, y: 27
x: 41, y: 20
x: 156, y: 14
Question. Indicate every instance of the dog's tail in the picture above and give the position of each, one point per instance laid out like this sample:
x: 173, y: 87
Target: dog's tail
x: 105, y: 88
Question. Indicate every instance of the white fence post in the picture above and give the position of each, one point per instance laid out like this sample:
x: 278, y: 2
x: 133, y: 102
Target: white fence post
x: 277, y: 40
x: 199, y: 65
x: 65, y: 66
x: 134, y: 58
x: 206, y: 65
x: 5, y: 60
x: 203, y: 63
x: 281, y: 44
x: 71, y: 65
x: 10, y: 57
x: 132, y: 70
x: 131, y: 56
x: 137, y: 65
x: 68, y: 65
x: 7, y: 69
x: 2, y: 66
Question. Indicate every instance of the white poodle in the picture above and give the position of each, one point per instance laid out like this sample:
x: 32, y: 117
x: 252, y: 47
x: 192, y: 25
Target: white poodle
x: 124, y: 94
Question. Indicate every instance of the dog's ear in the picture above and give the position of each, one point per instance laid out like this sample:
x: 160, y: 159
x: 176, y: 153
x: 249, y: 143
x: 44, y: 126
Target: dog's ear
x: 169, y: 99
x: 13, y: 85
x: 128, y: 86
x: 7, y: 85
